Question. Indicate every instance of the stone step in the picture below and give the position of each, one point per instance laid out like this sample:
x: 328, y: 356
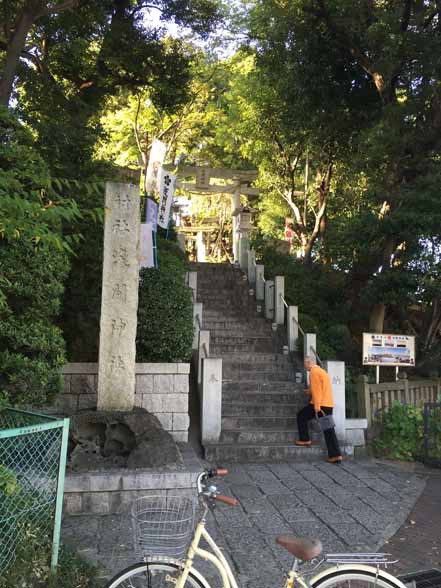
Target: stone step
x: 222, y: 340
x: 261, y: 386
x: 251, y: 437
x: 258, y: 423
x: 224, y: 322
x: 241, y: 312
x: 258, y: 366
x: 256, y: 409
x: 241, y: 332
x: 257, y: 346
x: 257, y: 376
x: 231, y: 297
x: 263, y: 397
x: 261, y: 452
x: 269, y: 372
x: 226, y: 314
x: 242, y: 329
x: 221, y: 287
x: 248, y: 358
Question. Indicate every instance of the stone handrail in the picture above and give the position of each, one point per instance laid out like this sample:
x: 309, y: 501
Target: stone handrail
x: 208, y: 372
x: 272, y: 294
x: 374, y: 399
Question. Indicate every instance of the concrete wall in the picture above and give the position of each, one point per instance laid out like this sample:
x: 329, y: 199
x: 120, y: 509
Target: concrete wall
x: 161, y: 388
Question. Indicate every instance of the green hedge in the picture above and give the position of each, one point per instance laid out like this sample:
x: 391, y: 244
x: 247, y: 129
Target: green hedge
x: 401, y: 433
x: 33, y: 266
x: 165, y: 309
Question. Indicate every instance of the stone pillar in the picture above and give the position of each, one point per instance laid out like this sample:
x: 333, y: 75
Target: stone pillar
x: 252, y: 268
x: 269, y: 299
x: 211, y: 402
x: 235, y: 206
x: 292, y: 325
x: 181, y: 241
x: 200, y: 247
x: 279, y: 307
x: 260, y: 284
x: 197, y: 312
x: 193, y: 284
x: 203, y: 351
x: 336, y: 371
x: 244, y: 247
x: 310, y: 345
x: 119, y: 298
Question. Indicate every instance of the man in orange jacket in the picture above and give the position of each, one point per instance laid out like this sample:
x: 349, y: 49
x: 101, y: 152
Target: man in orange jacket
x: 321, y: 403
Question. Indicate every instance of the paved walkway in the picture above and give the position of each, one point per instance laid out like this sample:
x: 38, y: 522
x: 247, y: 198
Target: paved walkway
x: 417, y: 544
x: 354, y: 506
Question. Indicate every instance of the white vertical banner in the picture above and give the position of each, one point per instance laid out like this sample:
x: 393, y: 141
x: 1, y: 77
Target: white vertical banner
x: 167, y: 187
x: 156, y: 159
x: 146, y: 256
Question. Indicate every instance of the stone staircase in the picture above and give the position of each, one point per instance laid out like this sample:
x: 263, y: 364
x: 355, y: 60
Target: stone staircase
x: 261, y: 387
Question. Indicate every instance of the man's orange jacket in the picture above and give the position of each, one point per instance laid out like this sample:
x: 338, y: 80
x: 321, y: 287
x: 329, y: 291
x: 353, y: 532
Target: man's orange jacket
x: 320, y: 388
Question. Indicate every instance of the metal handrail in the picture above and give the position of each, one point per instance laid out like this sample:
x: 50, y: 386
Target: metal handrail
x: 205, y: 350
x: 198, y: 318
x: 298, y: 325
x: 316, y: 354
x: 284, y: 301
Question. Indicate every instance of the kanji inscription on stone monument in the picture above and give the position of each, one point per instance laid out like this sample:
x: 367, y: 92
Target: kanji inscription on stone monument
x: 119, y: 299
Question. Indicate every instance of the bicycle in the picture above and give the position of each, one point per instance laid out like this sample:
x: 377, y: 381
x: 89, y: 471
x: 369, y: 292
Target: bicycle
x: 360, y: 570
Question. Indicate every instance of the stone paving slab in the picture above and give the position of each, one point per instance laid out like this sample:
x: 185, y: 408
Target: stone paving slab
x: 350, y: 507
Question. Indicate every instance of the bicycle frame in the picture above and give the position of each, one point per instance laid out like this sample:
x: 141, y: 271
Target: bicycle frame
x: 217, y: 558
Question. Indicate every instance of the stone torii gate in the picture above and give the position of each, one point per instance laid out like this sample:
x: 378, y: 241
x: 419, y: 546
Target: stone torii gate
x: 237, y: 183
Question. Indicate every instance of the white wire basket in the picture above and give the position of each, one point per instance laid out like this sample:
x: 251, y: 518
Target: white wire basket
x: 163, y: 525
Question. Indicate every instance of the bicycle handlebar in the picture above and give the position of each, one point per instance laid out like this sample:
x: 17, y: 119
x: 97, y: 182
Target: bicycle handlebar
x: 226, y: 499
x: 218, y: 472
x: 211, y: 491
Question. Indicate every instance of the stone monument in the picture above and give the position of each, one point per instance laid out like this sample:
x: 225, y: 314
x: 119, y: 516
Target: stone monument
x: 119, y: 298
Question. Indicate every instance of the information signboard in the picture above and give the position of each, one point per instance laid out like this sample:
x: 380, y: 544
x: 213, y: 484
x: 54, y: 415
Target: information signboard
x: 388, y: 350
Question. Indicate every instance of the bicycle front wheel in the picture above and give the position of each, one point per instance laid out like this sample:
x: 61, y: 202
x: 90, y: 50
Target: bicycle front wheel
x: 357, y: 577
x: 153, y: 575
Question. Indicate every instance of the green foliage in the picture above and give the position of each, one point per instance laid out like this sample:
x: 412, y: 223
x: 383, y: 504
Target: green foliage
x: 33, y: 266
x: 319, y: 292
x: 165, y: 309
x: 27, y: 529
x: 401, y: 432
x: 31, y: 566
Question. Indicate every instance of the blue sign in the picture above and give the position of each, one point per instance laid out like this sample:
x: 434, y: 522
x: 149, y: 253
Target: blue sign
x: 152, y: 214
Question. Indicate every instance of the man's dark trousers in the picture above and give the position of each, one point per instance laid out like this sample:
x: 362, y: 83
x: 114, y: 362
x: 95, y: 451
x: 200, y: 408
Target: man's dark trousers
x: 307, y: 414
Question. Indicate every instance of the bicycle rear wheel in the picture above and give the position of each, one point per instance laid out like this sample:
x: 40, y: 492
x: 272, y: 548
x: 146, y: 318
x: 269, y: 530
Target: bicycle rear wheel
x: 153, y: 575
x: 347, y: 577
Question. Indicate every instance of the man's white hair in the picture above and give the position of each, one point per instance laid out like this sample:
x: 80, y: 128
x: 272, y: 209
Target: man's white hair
x: 310, y: 358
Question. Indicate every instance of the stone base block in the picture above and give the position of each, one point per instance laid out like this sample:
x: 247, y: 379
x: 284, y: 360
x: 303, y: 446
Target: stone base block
x: 101, y: 493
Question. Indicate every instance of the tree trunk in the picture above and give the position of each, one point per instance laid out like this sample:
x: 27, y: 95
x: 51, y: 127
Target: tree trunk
x: 15, y: 47
x: 378, y: 311
x: 376, y: 319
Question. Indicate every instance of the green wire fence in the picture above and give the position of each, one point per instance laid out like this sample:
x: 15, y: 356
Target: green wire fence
x: 33, y: 451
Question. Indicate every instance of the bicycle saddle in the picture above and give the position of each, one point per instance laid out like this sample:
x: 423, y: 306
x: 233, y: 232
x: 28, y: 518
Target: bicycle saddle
x: 304, y: 549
